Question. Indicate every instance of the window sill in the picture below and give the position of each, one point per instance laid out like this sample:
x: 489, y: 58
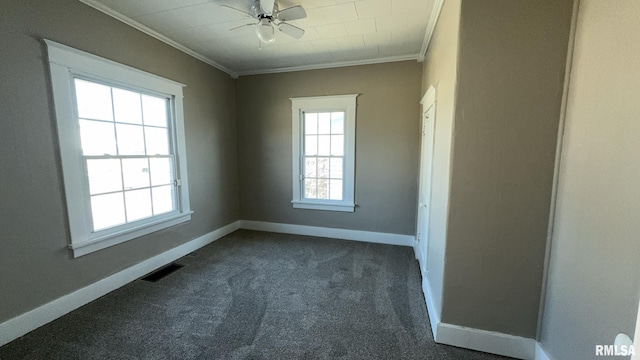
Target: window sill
x: 105, y: 241
x: 323, y: 206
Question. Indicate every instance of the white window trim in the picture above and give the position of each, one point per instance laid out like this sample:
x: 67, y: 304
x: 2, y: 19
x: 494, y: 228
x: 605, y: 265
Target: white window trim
x: 65, y: 63
x: 346, y: 103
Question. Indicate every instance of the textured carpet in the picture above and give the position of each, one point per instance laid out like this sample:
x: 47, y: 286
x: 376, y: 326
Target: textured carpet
x: 255, y: 295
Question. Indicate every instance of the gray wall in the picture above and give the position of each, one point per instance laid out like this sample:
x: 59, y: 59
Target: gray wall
x: 594, y: 274
x: 510, y: 76
x: 36, y: 265
x: 440, y: 71
x: 387, y: 142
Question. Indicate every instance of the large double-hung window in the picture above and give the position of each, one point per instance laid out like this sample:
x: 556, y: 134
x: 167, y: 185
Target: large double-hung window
x: 324, y: 152
x: 122, y: 149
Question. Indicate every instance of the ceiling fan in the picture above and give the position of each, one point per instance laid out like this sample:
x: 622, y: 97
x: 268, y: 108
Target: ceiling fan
x: 270, y: 17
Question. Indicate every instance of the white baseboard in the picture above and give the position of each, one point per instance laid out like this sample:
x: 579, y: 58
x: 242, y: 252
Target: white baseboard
x: 487, y: 341
x: 421, y: 257
x: 470, y: 338
x: 434, y: 312
x: 29, y: 321
x: 476, y: 339
x: 358, y: 235
x: 540, y: 353
x: 416, y: 251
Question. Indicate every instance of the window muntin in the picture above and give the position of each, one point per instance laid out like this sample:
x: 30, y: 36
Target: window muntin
x: 323, y: 165
x: 122, y: 149
x: 127, y: 152
x: 324, y: 152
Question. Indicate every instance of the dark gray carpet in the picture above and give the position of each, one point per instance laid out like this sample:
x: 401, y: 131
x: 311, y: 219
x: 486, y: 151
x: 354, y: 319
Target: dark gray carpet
x: 255, y: 295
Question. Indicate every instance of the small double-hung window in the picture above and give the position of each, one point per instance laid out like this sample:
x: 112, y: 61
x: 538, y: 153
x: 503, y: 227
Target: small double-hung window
x: 324, y: 152
x: 122, y: 148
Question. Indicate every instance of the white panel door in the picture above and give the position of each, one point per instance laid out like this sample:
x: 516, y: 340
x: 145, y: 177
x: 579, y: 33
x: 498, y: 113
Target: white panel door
x: 424, y: 194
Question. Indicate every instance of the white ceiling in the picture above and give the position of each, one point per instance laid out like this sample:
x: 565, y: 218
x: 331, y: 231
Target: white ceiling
x: 338, y: 32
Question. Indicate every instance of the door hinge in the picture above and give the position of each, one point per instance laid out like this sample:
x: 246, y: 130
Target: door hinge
x: 177, y: 182
x: 301, y: 177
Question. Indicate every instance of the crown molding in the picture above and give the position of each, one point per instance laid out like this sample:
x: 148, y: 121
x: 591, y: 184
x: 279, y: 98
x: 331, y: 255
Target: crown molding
x: 135, y: 24
x: 129, y: 21
x: 329, y: 65
x: 431, y: 26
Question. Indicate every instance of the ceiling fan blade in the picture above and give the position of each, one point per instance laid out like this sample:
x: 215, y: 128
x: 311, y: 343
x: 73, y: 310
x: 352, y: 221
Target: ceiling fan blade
x: 241, y: 26
x: 293, y: 31
x: 245, y: 13
x: 292, y: 13
x: 267, y: 6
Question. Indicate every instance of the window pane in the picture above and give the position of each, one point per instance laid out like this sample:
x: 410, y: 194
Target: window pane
x: 94, y: 100
x: 161, y: 171
x: 138, y: 204
x: 323, y: 189
x: 310, y: 188
x: 107, y: 210
x: 311, y: 145
x: 162, y: 199
x: 104, y: 176
x: 157, y: 140
x: 154, y: 110
x: 126, y: 105
x: 335, y: 168
x: 136, y: 173
x: 98, y: 138
x: 310, y: 123
x: 324, y: 123
x: 335, y: 189
x: 324, y: 145
x: 323, y: 167
x: 130, y: 139
x: 337, y: 145
x: 337, y: 123
x: 310, y: 167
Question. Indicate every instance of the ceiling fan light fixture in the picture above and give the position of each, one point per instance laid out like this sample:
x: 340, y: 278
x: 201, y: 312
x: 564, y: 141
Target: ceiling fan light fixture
x: 268, y: 21
x: 265, y: 31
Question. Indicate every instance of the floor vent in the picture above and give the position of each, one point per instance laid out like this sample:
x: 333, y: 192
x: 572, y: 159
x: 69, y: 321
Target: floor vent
x: 162, y: 272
